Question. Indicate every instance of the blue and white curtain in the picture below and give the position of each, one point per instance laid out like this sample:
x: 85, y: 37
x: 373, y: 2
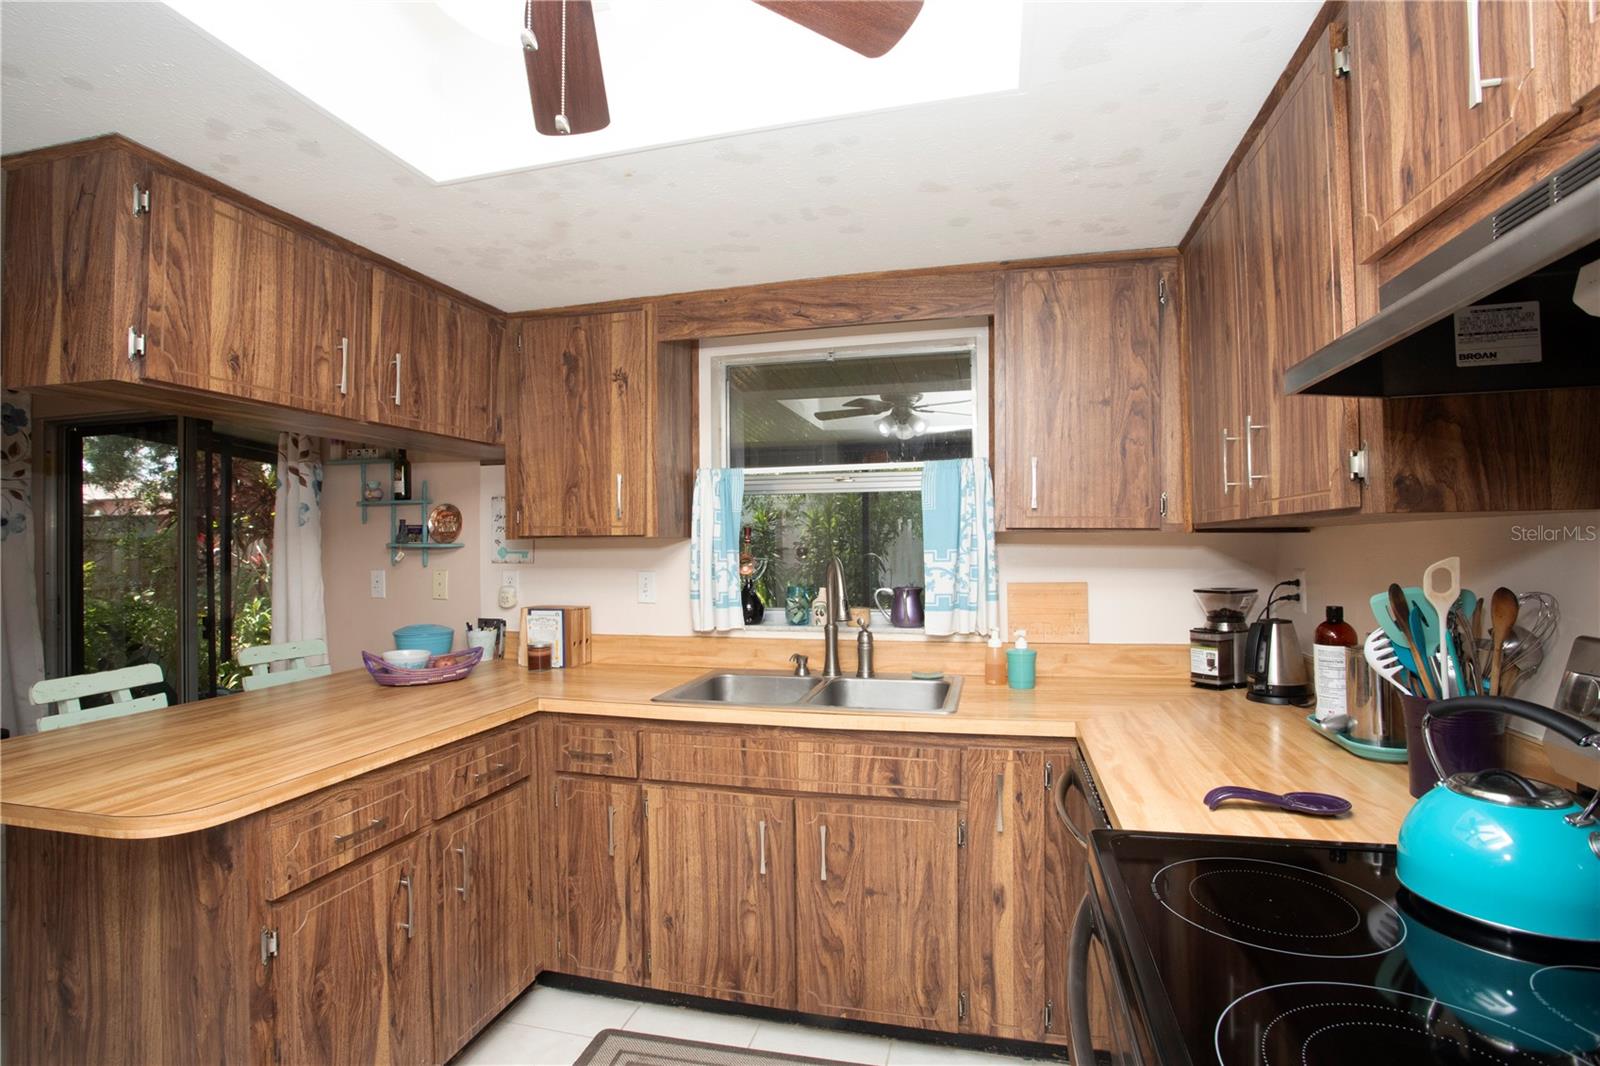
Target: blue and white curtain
x: 297, y: 606
x: 961, y: 578
x: 714, y: 550
x: 23, y: 658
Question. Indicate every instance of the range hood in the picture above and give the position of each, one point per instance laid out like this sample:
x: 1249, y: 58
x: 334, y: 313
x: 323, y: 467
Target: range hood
x: 1491, y: 311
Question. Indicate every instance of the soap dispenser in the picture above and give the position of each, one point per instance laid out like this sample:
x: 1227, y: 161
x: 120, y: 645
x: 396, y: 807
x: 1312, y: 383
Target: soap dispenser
x: 994, y: 664
x: 1020, y: 662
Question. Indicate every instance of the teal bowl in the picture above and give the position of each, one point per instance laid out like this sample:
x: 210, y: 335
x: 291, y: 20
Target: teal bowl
x: 424, y: 636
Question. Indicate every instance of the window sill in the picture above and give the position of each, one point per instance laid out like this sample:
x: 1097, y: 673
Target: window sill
x: 769, y: 630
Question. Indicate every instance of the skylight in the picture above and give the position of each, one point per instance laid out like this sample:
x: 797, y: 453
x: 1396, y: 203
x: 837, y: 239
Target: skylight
x: 441, y: 84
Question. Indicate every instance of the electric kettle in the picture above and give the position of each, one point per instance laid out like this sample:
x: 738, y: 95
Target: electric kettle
x: 1513, y: 853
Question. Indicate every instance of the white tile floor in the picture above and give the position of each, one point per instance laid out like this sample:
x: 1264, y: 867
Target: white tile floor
x: 552, y: 1026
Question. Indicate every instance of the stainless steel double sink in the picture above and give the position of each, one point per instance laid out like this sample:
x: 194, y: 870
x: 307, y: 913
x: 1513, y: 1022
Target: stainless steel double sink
x: 896, y: 693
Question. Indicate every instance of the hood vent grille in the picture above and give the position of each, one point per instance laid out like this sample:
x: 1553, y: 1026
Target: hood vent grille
x: 1563, y: 183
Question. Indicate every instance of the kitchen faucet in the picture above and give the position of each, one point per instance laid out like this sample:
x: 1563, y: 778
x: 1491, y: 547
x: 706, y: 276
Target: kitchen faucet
x: 838, y: 611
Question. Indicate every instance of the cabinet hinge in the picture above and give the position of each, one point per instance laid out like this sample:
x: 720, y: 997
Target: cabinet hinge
x: 1341, y: 62
x: 1049, y: 1013
x: 141, y: 200
x: 1163, y: 505
x: 961, y: 833
x: 1161, y: 291
x: 135, y: 344
x: 269, y: 945
x: 961, y: 1007
x: 1358, y: 464
x: 1049, y: 774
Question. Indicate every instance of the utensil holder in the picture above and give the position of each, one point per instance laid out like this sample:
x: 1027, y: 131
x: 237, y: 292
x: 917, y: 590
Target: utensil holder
x: 1475, y: 740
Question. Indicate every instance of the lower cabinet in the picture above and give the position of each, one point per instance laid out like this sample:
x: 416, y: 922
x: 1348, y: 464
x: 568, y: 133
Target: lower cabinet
x: 720, y: 915
x: 351, y: 978
x: 599, y: 906
x: 875, y: 911
x: 485, y: 916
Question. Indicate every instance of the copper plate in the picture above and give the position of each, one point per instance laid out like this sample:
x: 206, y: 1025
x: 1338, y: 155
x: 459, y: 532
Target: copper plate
x: 444, y: 523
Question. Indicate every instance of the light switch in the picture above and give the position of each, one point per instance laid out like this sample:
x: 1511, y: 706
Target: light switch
x: 441, y: 584
x: 647, y: 586
x: 379, y: 584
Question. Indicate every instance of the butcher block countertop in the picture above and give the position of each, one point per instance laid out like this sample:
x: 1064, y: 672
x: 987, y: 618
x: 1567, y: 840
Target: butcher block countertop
x: 1155, y: 747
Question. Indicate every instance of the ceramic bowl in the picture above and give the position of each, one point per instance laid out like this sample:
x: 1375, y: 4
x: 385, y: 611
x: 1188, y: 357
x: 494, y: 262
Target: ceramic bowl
x: 407, y: 659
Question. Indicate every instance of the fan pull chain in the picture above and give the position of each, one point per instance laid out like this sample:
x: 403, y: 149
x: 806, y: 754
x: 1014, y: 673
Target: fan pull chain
x: 530, y: 43
x: 562, y: 125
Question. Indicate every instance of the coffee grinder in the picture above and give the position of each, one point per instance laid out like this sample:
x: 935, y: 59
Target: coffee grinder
x: 1216, y: 649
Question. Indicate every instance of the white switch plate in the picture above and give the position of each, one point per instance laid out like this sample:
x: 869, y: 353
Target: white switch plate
x: 380, y: 584
x: 647, y: 586
x: 441, y: 584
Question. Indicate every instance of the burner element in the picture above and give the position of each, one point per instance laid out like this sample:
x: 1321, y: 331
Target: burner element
x: 1289, y: 909
x: 1333, y: 1023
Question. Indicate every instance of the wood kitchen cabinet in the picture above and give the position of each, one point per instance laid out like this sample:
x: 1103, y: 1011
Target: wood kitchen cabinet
x: 332, y: 307
x: 599, y: 879
x: 1583, y: 48
x: 720, y: 916
x: 1101, y: 343
x: 1211, y: 285
x: 486, y: 916
x: 1426, y: 122
x: 875, y: 913
x: 599, y: 441
x: 350, y: 981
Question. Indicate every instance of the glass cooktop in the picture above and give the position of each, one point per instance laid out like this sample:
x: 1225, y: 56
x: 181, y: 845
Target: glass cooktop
x: 1264, y: 953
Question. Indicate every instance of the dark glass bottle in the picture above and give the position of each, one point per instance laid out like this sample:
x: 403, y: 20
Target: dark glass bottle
x: 402, y: 477
x: 754, y: 609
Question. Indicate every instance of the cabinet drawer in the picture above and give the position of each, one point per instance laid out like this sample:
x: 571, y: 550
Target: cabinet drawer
x: 597, y: 749
x: 469, y: 772
x: 803, y: 764
x: 315, y: 836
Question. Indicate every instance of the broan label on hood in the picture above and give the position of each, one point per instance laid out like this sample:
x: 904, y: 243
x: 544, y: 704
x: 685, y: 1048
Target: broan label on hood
x: 1498, y: 334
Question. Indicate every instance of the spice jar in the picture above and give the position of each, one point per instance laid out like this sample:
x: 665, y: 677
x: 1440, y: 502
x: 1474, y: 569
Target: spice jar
x: 540, y: 655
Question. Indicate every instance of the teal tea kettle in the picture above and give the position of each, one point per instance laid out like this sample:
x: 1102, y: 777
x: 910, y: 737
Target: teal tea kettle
x: 1497, y: 847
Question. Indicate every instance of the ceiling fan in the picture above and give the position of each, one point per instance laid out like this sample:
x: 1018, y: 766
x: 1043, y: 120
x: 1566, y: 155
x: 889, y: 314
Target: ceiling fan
x: 902, y: 412
x: 562, y: 52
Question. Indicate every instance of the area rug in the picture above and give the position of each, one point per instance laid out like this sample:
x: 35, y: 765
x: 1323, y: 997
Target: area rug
x: 613, y: 1047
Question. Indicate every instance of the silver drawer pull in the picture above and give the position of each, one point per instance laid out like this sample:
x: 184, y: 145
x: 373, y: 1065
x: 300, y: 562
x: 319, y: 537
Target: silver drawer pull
x: 344, y: 366
x: 372, y: 826
x: 1000, y: 802
x: 494, y: 771
x: 410, y: 924
x: 1227, y: 439
x: 397, y: 379
x: 466, y: 872
x: 597, y: 756
x: 1033, y: 484
x: 1251, y: 426
x: 1476, y: 82
x: 619, y: 496
x: 822, y: 830
x: 761, y: 828
x: 611, y: 830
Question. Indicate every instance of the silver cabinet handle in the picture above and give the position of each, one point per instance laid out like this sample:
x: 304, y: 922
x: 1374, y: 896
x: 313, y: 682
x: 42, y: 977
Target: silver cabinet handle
x: 344, y: 366
x: 822, y: 831
x: 1476, y: 82
x: 375, y: 824
x: 619, y: 495
x: 1227, y: 439
x: 611, y: 830
x: 761, y: 828
x: 1251, y: 426
x: 1000, y: 802
x: 494, y: 771
x: 410, y: 924
x: 466, y: 872
x: 1033, y: 484
x: 397, y: 379
x: 519, y: 519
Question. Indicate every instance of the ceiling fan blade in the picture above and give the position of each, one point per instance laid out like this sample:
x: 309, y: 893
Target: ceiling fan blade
x: 586, y: 106
x: 869, y: 27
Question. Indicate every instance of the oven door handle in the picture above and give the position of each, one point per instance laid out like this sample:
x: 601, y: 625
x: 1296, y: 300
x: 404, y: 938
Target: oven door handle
x: 1069, y: 775
x: 1080, y: 1041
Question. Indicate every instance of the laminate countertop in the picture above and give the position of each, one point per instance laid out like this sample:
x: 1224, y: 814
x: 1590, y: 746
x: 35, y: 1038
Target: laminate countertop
x: 1155, y: 747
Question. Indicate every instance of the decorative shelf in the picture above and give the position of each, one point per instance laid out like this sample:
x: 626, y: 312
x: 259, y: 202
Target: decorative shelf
x: 423, y: 501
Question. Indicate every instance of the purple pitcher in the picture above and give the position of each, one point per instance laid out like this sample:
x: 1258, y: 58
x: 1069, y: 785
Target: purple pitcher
x: 906, y: 610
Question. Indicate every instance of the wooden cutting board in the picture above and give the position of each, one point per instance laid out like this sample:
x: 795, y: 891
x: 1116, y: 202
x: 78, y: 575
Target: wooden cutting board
x: 1053, y: 612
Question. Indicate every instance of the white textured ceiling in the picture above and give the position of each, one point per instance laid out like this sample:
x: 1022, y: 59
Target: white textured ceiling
x: 1125, y: 117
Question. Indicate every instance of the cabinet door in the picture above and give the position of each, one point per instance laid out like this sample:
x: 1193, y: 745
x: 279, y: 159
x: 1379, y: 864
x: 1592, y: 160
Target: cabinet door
x: 483, y: 885
x: 1211, y: 296
x: 350, y: 982
x: 1296, y: 277
x: 1422, y: 132
x: 600, y: 860
x: 1083, y: 368
x: 1583, y: 53
x: 875, y: 912
x: 327, y: 357
x: 721, y: 909
x: 220, y: 296
x: 408, y: 335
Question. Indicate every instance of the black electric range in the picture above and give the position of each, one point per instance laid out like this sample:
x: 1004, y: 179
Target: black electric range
x: 1266, y: 953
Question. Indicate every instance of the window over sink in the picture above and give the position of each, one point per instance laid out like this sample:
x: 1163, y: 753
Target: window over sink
x: 832, y: 430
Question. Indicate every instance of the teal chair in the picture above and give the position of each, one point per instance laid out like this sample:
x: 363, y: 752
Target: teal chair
x: 66, y: 693
x: 261, y: 657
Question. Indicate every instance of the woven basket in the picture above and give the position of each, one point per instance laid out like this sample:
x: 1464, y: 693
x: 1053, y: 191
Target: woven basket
x: 440, y: 668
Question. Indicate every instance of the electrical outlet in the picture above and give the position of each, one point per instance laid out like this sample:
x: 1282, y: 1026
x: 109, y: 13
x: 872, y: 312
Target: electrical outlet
x: 380, y: 584
x: 441, y: 584
x: 647, y: 586
x: 1303, y: 605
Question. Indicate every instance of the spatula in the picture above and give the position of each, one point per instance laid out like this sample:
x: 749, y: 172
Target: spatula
x: 1502, y: 618
x: 1412, y: 638
x: 1384, y: 657
x: 1319, y: 803
x: 1441, y: 584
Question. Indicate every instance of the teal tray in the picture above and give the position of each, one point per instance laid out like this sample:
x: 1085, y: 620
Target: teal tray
x: 1376, y: 752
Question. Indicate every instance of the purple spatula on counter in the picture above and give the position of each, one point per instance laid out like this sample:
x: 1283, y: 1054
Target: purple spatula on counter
x: 1318, y: 803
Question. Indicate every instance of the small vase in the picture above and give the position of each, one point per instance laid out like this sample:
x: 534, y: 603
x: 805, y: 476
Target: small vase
x: 798, y: 605
x: 754, y: 609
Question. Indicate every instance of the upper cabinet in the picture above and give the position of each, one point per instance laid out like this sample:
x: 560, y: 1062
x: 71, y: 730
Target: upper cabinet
x: 1443, y: 93
x: 1583, y: 48
x: 1216, y: 416
x: 433, y: 360
x: 333, y: 297
x: 598, y: 442
x: 1088, y: 408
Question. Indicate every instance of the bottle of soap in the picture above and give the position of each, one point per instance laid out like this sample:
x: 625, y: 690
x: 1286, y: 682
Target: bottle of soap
x: 1020, y: 662
x: 994, y: 665
x: 1331, y: 654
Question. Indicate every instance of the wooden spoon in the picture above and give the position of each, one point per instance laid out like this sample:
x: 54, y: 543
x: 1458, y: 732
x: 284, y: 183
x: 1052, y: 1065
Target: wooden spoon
x: 1401, y: 609
x: 1502, y: 617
